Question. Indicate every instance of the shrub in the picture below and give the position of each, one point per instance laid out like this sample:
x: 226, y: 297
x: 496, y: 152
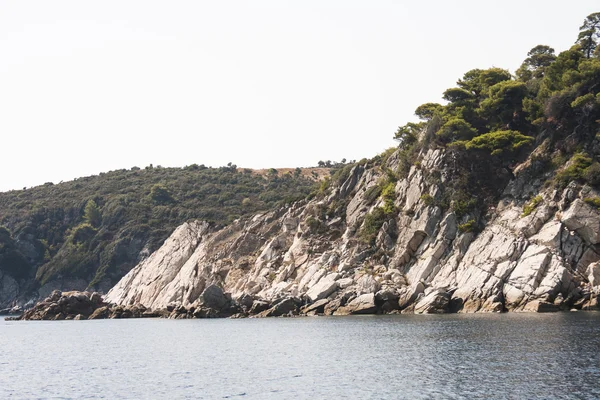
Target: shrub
x: 574, y: 170
x: 160, y: 194
x: 499, y: 142
x: 592, y: 174
x: 427, y: 199
x: 593, y: 201
x: 376, y: 218
x: 468, y: 226
x: 83, y: 233
x: 532, y: 205
x: 462, y: 207
x: 341, y: 174
x: 373, y: 223
x: 389, y: 195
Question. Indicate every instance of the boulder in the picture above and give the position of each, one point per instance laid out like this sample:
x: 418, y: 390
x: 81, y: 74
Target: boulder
x: 345, y: 283
x: 54, y: 296
x: 324, y: 288
x: 245, y: 301
x: 583, y: 219
x: 318, y: 307
x: 387, y: 300
x: 541, y: 307
x: 593, y: 273
x: 436, y: 302
x: 367, y: 284
x: 339, y: 301
x: 96, y: 298
x: 284, y: 307
x: 409, y: 294
x: 100, y: 313
x: 213, y: 297
x: 363, y: 304
x: 259, y: 306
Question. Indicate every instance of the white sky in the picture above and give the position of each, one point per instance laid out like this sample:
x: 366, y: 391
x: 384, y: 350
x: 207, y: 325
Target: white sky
x: 87, y: 87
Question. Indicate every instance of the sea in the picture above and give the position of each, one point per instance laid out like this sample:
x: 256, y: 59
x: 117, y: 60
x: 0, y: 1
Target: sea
x: 480, y: 356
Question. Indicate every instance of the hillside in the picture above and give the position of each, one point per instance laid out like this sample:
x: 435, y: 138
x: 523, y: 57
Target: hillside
x: 91, y: 231
x: 491, y: 203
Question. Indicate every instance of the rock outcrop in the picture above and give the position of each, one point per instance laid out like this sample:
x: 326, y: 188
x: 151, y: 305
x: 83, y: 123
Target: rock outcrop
x: 81, y: 306
x: 313, y: 257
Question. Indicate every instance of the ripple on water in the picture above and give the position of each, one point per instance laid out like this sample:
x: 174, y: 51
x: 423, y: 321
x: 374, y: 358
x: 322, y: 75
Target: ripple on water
x: 509, y: 356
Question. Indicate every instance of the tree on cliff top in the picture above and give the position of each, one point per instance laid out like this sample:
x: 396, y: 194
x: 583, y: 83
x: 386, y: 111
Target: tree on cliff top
x: 589, y: 33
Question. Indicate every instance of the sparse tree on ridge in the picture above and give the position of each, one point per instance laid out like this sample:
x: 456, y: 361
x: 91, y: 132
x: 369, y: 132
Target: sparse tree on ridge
x: 589, y: 33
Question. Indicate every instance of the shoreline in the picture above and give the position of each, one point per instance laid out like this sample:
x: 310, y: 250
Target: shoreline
x: 78, y: 306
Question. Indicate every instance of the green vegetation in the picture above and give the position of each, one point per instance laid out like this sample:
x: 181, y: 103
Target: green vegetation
x: 379, y: 215
x: 499, y: 142
x: 373, y: 223
x: 92, y: 214
x: 427, y: 199
x: 12, y: 261
x: 532, y: 205
x: 94, y: 228
x: 591, y: 174
x: 469, y: 226
x: 97, y: 228
x: 575, y: 170
x: 593, y: 201
x: 462, y: 207
x: 492, y: 120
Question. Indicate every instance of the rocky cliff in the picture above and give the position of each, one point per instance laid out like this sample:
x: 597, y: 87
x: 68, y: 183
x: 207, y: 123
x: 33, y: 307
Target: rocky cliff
x: 352, y: 251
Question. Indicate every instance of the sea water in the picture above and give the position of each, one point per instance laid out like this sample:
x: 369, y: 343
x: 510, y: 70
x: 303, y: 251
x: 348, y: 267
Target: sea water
x: 501, y: 356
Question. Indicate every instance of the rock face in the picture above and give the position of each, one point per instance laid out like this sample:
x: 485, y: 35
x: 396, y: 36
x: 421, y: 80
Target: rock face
x: 583, y: 219
x: 311, y: 257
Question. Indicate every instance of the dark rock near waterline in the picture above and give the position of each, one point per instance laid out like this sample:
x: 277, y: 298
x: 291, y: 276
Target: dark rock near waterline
x: 80, y: 306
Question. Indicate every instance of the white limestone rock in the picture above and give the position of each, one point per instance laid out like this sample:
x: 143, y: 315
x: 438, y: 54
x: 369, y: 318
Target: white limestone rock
x: 583, y: 219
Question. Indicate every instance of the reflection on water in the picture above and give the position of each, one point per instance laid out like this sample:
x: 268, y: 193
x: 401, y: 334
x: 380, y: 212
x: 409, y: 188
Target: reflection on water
x: 508, y: 356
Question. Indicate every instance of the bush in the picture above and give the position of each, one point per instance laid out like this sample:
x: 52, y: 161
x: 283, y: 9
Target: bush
x: 593, y: 201
x: 574, y: 171
x: 469, y: 226
x: 462, y: 207
x: 92, y: 214
x: 83, y: 233
x: 592, y: 174
x: 373, y: 223
x: 427, y: 199
x: 388, y: 194
x: 499, y: 142
x: 160, y: 194
x: 532, y: 205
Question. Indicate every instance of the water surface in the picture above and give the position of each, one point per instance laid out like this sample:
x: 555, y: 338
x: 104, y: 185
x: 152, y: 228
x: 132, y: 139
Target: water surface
x: 508, y: 356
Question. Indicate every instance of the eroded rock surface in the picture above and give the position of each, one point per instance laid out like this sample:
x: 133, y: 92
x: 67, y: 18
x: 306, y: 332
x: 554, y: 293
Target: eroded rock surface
x: 312, y: 257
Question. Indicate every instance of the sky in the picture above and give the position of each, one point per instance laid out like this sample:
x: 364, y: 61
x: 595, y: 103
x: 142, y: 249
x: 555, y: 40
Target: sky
x: 88, y: 87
